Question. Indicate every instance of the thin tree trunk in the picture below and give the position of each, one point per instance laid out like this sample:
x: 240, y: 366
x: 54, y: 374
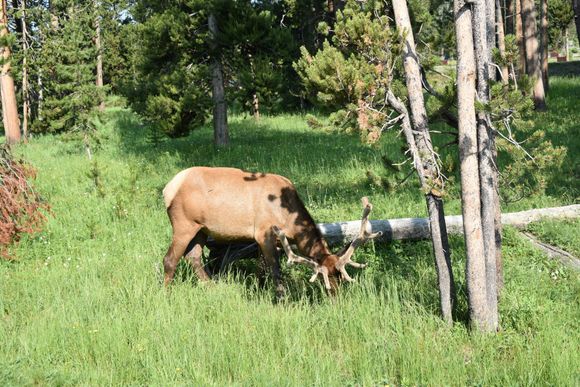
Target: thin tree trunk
x: 501, y: 42
x: 428, y: 166
x: 520, y: 37
x: 577, y: 17
x: 487, y: 174
x: 544, y: 43
x: 533, y: 64
x: 256, y: 106
x: 25, y: 88
x: 220, y: 109
x: 490, y: 36
x: 98, y: 46
x: 470, y: 192
x: 9, y: 107
x: 509, y: 16
x: 255, y: 99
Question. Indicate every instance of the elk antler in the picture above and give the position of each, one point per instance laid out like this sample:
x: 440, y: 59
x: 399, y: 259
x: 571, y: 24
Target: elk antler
x: 295, y: 258
x: 362, y: 237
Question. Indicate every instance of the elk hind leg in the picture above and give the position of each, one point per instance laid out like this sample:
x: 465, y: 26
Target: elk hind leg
x: 181, y: 237
x: 194, y: 255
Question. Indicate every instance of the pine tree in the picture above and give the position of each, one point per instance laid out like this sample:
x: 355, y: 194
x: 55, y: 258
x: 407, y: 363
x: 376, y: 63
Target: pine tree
x: 68, y: 55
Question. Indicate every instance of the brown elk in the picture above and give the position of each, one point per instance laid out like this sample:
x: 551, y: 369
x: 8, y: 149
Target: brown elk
x: 231, y: 205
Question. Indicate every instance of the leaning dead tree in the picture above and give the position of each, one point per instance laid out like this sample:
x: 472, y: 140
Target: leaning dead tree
x: 425, y: 160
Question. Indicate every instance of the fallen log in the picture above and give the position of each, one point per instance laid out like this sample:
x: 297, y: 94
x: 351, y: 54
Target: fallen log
x: 418, y: 228
x: 392, y: 229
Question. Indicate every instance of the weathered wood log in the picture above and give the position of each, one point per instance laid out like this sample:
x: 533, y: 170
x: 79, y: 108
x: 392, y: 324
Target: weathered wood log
x: 553, y: 252
x: 418, y: 228
x: 393, y: 229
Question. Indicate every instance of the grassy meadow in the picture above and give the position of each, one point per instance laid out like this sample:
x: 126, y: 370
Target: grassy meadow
x: 82, y: 302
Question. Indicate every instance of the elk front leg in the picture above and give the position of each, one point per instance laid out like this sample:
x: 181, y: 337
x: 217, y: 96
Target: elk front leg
x: 272, y: 258
x: 181, y: 237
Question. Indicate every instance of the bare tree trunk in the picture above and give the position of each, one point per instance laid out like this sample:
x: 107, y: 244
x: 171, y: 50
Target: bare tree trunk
x: 520, y: 37
x: 98, y: 46
x: 428, y: 167
x: 220, y: 109
x: 25, y: 88
x: 9, y: 107
x: 490, y: 35
x: 533, y: 65
x: 544, y: 43
x: 509, y: 6
x: 256, y: 106
x: 255, y: 99
x: 470, y: 191
x: 501, y: 41
x: 577, y: 17
x: 487, y: 173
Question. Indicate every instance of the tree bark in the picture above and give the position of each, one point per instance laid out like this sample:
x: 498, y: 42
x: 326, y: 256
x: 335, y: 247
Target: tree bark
x: 491, y: 36
x: 25, y: 88
x: 428, y: 161
x: 469, y: 165
x: 220, y: 109
x: 533, y: 64
x: 510, y: 11
x: 98, y: 46
x: 544, y: 43
x: 418, y: 228
x: 501, y: 41
x: 577, y: 17
x: 9, y: 107
x: 520, y: 37
x: 487, y: 173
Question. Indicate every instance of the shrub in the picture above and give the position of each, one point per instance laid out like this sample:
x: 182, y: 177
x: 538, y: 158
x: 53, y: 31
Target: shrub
x: 22, y: 211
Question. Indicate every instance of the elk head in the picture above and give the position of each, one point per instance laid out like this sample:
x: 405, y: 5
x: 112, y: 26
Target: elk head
x: 334, y: 264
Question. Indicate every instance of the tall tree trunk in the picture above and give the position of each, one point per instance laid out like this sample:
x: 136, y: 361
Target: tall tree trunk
x: 220, y: 108
x: 497, y: 205
x: 501, y: 41
x: 428, y: 168
x: 487, y: 174
x: 520, y: 37
x: 98, y: 46
x: 25, y: 88
x: 9, y: 107
x: 490, y: 36
x: 533, y: 65
x: 469, y: 164
x: 577, y: 17
x: 544, y: 43
x: 509, y: 6
x: 255, y: 98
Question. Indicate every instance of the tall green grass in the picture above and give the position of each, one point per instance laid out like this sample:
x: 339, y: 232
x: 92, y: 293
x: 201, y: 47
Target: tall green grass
x: 83, y: 303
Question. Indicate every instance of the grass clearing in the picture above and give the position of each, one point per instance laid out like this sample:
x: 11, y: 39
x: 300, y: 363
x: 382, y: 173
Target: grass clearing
x: 83, y: 303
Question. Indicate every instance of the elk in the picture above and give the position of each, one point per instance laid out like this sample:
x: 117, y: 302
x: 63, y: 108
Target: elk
x: 231, y: 205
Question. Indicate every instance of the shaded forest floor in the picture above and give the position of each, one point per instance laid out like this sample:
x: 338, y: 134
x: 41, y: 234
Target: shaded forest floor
x: 83, y: 304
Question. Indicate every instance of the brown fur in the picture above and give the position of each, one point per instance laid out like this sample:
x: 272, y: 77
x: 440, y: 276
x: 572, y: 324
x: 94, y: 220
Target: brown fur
x: 231, y: 205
